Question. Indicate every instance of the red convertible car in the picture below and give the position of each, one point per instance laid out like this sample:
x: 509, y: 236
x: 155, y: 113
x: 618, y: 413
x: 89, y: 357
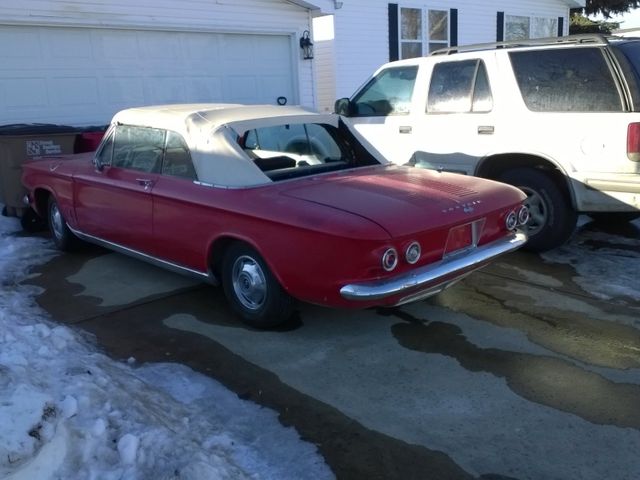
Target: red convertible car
x: 276, y: 204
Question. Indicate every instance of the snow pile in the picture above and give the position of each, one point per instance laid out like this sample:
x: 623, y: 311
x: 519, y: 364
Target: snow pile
x: 68, y: 411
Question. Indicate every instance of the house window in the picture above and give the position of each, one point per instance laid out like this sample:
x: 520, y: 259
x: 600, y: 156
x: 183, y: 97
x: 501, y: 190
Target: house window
x: 415, y: 39
x: 522, y: 28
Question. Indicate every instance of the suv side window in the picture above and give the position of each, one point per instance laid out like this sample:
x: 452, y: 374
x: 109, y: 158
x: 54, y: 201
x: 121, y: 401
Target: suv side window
x: 389, y: 93
x: 459, y: 87
x: 566, y: 80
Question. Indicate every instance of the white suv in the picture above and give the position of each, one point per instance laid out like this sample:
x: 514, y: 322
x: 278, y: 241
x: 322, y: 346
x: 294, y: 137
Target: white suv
x: 559, y: 118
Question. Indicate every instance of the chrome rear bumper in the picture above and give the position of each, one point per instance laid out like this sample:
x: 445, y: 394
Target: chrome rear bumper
x: 431, y: 279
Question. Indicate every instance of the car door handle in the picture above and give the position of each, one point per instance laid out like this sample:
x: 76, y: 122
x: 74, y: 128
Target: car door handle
x: 405, y: 129
x: 486, y: 130
x: 145, y: 182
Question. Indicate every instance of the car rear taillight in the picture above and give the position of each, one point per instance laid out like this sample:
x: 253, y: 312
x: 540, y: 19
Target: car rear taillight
x: 633, y: 142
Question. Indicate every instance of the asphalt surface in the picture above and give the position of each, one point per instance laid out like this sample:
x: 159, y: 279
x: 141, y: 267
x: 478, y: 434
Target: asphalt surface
x: 516, y: 372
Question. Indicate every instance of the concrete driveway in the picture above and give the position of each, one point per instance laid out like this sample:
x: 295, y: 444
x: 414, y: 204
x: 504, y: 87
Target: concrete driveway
x: 529, y: 369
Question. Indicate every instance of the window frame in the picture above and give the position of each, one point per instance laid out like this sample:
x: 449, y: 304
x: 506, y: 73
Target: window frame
x: 530, y: 19
x: 607, y: 62
x: 162, y: 172
x: 480, y: 68
x: 110, y: 139
x: 375, y: 79
x: 424, y: 41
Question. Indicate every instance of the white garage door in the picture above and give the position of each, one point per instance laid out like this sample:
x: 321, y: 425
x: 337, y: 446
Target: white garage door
x: 83, y: 76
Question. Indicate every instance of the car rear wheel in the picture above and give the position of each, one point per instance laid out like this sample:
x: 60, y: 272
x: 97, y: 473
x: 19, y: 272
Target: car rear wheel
x: 614, y: 218
x: 553, y: 219
x: 62, y: 235
x: 252, y: 290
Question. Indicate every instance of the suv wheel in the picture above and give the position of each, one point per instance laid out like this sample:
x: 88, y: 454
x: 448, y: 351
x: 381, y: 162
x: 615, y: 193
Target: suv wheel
x: 552, y: 217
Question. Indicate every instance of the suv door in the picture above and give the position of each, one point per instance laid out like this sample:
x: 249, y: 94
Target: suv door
x: 384, y: 112
x: 458, y: 126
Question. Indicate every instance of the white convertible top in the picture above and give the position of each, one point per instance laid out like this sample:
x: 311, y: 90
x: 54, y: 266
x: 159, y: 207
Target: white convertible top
x: 211, y: 132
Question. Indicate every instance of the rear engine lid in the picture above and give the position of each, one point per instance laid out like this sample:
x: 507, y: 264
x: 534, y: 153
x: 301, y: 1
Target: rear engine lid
x: 407, y: 200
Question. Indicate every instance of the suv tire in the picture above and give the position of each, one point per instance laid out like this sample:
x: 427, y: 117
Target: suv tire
x: 553, y: 219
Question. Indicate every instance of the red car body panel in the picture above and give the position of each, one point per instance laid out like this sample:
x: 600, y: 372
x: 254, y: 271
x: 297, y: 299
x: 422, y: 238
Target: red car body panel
x: 316, y: 233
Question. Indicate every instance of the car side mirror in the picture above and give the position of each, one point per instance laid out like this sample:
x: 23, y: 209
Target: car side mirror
x: 343, y: 106
x: 98, y: 163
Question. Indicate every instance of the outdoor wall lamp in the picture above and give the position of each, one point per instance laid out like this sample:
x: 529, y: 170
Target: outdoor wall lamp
x: 306, y: 45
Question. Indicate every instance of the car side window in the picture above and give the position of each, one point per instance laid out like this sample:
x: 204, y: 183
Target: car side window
x: 459, y: 87
x: 566, y: 80
x: 138, y: 148
x: 177, y: 159
x: 388, y: 93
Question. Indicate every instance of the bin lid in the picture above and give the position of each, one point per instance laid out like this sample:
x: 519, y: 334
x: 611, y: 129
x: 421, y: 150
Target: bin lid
x: 35, y: 129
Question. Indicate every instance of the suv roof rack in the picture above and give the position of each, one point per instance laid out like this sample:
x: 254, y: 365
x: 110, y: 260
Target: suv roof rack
x: 596, y: 39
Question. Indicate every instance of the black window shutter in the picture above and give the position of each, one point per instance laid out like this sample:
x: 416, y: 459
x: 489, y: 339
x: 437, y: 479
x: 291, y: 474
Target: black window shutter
x: 500, y: 27
x: 394, y: 52
x: 560, y: 26
x: 453, y: 18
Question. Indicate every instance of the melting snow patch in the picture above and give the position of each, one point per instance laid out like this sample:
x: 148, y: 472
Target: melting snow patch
x: 613, y: 272
x: 69, y: 412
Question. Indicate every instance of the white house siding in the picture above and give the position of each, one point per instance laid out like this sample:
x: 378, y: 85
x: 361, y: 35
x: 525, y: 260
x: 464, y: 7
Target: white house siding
x: 361, y: 30
x: 472, y: 30
x: 262, y: 17
x: 324, y: 51
x: 362, y: 43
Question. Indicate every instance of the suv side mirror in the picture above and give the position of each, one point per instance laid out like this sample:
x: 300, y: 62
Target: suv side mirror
x: 343, y: 106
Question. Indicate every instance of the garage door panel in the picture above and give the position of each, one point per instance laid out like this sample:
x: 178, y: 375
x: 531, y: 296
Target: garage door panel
x: 123, y: 91
x: 116, y: 45
x: 20, y: 47
x: 165, y: 89
x: 74, y: 91
x: 205, y: 89
x: 202, y: 48
x: 272, y: 86
x: 84, y: 75
x: 160, y: 46
x: 25, y: 92
x: 74, y: 46
x: 240, y: 89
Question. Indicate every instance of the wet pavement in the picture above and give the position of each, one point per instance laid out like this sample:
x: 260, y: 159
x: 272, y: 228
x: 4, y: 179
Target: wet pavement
x: 528, y: 369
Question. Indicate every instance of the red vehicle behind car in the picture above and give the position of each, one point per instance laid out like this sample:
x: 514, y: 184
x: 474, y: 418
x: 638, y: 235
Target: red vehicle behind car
x: 275, y: 203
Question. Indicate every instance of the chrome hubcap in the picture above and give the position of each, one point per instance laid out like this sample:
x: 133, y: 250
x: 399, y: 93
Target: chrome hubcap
x: 57, y: 222
x: 538, y: 212
x: 249, y: 283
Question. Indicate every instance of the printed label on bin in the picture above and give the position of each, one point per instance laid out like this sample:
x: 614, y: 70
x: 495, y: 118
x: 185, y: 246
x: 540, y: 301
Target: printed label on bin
x: 36, y: 148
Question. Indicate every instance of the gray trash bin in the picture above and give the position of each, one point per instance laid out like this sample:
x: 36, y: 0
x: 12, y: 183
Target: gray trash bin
x: 22, y: 142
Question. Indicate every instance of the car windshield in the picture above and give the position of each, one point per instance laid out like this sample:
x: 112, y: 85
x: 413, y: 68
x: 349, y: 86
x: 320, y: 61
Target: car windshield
x: 300, y: 149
